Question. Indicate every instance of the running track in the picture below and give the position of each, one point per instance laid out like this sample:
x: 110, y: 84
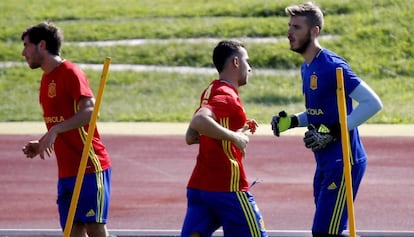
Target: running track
x: 150, y: 173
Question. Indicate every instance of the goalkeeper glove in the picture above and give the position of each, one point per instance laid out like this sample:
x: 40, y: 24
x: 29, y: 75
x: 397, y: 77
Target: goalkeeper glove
x: 283, y: 122
x: 318, y: 138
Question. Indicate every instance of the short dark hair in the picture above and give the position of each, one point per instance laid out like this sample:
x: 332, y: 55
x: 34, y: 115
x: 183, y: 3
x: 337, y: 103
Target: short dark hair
x: 223, y: 51
x: 48, y: 32
x: 311, y: 11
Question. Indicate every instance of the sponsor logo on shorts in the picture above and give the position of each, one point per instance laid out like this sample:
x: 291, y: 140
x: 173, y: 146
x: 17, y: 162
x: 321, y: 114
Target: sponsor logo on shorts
x: 90, y: 213
x: 332, y: 186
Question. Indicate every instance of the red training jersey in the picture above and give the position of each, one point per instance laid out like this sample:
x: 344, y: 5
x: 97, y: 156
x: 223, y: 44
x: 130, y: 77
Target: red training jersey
x: 60, y: 90
x: 219, y: 164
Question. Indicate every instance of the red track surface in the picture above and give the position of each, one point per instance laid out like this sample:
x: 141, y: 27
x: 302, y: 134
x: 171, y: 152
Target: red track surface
x: 150, y: 174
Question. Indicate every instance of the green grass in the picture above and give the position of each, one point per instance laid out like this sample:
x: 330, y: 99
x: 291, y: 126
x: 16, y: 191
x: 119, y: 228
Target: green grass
x: 374, y: 36
x: 160, y: 96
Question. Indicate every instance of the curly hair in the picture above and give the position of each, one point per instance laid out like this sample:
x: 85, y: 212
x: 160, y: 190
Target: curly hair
x: 48, y: 32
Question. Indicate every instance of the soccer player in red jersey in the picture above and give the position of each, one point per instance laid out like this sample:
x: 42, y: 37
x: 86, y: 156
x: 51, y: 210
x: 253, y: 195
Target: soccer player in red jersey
x: 218, y: 191
x: 67, y: 102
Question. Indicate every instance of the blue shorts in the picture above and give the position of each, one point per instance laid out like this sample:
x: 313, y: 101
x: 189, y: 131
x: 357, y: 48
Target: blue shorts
x: 93, y: 202
x: 331, y: 215
x: 236, y: 212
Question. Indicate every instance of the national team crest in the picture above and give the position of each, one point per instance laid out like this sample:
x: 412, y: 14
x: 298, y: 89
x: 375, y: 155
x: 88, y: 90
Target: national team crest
x: 51, y: 89
x: 314, y: 82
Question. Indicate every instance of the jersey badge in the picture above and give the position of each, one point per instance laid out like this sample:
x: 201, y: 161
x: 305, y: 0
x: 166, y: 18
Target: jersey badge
x: 51, y: 89
x: 314, y: 82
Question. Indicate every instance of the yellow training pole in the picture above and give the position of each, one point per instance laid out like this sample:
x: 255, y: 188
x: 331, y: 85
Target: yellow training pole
x: 84, y: 160
x: 345, y: 149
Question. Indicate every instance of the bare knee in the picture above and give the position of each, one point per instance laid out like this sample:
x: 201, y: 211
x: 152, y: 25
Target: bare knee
x: 78, y: 230
x: 96, y: 230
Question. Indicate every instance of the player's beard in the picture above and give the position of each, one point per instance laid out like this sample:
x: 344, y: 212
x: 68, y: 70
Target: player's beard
x: 243, y: 78
x: 243, y: 81
x: 304, y: 45
x: 35, y: 59
x: 34, y: 65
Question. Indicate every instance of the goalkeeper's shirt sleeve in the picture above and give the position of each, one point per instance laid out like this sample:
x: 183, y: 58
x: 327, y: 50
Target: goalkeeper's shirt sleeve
x: 368, y: 104
x: 302, y: 119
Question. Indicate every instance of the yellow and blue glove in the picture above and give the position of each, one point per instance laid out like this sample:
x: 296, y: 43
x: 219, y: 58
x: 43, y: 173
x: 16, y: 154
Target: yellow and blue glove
x: 283, y: 122
x: 317, y: 138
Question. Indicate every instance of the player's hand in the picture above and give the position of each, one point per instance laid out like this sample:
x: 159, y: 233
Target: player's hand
x: 240, y: 140
x: 318, y: 138
x: 46, y: 143
x: 283, y: 122
x: 251, y: 125
x: 31, y: 149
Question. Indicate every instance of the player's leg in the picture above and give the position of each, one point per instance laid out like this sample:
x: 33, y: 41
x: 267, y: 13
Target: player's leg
x: 65, y: 188
x: 88, y: 230
x: 199, y: 220
x: 78, y: 230
x: 328, y: 235
x: 93, y: 204
x: 239, y: 213
x: 96, y: 230
x: 357, y: 172
x: 64, y: 198
x: 330, y: 199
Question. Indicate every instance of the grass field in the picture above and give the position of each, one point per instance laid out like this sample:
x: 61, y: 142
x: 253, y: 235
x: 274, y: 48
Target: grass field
x: 374, y: 36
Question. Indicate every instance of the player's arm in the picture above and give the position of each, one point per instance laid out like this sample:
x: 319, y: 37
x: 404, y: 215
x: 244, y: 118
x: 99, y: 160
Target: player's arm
x: 204, y: 123
x: 368, y: 105
x: 191, y: 136
x: 45, y: 143
x: 81, y: 118
x: 317, y: 138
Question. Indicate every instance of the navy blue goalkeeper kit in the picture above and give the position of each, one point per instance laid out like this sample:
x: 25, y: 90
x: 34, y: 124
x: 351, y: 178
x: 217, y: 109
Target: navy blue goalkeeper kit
x: 319, y: 89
